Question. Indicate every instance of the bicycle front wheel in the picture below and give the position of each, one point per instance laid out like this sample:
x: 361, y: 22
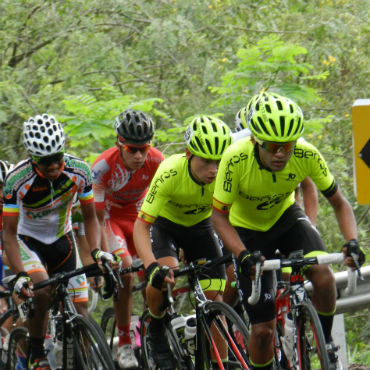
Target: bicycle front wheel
x: 18, y: 349
x: 312, y: 353
x: 223, y: 336
x: 91, y: 349
x: 108, y: 325
x: 183, y: 361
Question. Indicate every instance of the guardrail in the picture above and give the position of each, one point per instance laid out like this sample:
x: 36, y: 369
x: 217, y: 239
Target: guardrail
x: 355, y: 302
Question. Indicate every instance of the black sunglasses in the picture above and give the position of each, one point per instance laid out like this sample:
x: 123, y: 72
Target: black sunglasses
x: 47, y: 161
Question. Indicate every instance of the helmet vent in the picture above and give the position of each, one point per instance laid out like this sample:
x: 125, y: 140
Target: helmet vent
x: 273, y: 126
x: 268, y: 108
x: 279, y: 105
x: 209, y: 146
x: 282, y: 124
x: 291, y: 125
x: 200, y: 146
x: 262, y: 125
x: 217, y: 143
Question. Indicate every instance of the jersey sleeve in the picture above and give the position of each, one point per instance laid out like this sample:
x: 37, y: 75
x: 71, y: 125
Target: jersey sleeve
x: 226, y: 186
x: 11, y: 205
x: 84, y: 185
x: 99, y: 170
x: 158, y: 194
x: 319, y: 170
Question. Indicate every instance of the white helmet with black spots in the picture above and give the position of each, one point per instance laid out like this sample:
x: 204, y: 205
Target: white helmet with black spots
x: 43, y: 135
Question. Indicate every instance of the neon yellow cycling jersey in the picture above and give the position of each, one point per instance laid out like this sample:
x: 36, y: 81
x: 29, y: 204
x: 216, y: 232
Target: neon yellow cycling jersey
x: 174, y: 194
x: 256, y: 197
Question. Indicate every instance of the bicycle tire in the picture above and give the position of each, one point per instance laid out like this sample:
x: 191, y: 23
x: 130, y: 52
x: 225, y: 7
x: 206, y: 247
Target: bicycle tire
x: 91, y: 349
x: 182, y: 359
x: 236, y: 338
x: 18, y: 346
x: 108, y: 325
x: 311, y: 348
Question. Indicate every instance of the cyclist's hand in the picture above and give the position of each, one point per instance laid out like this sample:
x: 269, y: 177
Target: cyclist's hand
x: 98, y: 255
x: 247, y: 262
x: 352, y: 251
x: 95, y: 282
x: 23, y: 285
x: 157, y: 275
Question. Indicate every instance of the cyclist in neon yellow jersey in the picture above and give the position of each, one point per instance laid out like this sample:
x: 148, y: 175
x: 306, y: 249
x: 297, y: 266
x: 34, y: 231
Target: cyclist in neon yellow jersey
x: 176, y: 214
x: 305, y: 194
x: 255, y: 209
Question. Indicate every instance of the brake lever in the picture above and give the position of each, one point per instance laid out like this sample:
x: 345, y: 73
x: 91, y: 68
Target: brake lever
x: 358, y: 268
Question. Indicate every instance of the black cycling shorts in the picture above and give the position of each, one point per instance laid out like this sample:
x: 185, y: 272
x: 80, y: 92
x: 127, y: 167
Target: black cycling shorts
x: 292, y: 232
x: 198, y: 242
x: 56, y: 257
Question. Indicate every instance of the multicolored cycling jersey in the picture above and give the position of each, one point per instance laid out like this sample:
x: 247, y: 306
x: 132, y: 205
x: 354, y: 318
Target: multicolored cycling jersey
x: 256, y: 197
x: 116, y: 186
x: 44, y: 206
x: 175, y: 195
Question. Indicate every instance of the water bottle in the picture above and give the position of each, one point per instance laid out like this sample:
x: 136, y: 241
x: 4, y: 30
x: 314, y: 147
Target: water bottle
x: 190, y: 334
x: 178, y: 324
x: 58, y: 353
x: 49, y: 347
x: 288, y: 338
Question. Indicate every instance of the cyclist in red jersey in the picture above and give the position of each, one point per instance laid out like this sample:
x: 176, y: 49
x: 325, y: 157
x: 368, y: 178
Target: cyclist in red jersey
x: 121, y: 176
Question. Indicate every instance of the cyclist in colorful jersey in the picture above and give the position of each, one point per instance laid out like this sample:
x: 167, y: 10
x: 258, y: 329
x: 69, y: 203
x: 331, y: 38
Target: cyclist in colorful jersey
x: 176, y: 214
x: 255, y: 209
x: 121, y: 176
x: 38, y: 237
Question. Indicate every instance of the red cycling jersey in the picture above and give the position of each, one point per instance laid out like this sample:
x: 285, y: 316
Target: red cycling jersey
x: 120, y: 192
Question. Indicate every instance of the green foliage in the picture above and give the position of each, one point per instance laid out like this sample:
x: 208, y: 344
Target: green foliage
x: 270, y: 64
x: 86, y: 61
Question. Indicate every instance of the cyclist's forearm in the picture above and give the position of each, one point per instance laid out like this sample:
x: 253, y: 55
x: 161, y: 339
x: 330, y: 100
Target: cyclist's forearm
x: 13, y: 255
x: 142, y: 242
x: 10, y: 244
x: 227, y: 233
x: 344, y: 214
x: 100, y: 213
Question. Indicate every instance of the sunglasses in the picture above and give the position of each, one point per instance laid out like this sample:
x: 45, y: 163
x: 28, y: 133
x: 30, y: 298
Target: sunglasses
x: 143, y: 149
x: 274, y: 148
x: 47, y: 161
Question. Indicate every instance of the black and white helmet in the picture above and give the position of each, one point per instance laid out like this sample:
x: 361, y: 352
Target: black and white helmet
x: 134, y: 126
x: 5, y: 167
x: 43, y: 135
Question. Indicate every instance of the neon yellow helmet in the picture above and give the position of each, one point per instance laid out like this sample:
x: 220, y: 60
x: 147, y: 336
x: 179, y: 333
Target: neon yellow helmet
x: 274, y: 118
x: 207, y: 137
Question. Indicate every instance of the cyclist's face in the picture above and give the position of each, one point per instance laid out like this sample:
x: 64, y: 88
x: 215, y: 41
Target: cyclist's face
x: 51, y: 170
x: 274, y: 161
x: 203, y: 170
x: 133, y: 156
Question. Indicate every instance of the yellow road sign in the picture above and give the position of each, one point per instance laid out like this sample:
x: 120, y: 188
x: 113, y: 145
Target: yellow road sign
x: 361, y: 148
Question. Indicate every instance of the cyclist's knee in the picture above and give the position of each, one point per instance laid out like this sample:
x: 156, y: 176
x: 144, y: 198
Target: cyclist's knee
x: 42, y: 298
x: 321, y: 277
x: 154, y: 298
x: 263, y: 333
x: 128, y: 280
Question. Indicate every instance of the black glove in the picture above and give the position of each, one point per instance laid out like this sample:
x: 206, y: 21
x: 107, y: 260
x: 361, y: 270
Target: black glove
x: 155, y: 275
x: 246, y: 260
x: 354, y: 248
